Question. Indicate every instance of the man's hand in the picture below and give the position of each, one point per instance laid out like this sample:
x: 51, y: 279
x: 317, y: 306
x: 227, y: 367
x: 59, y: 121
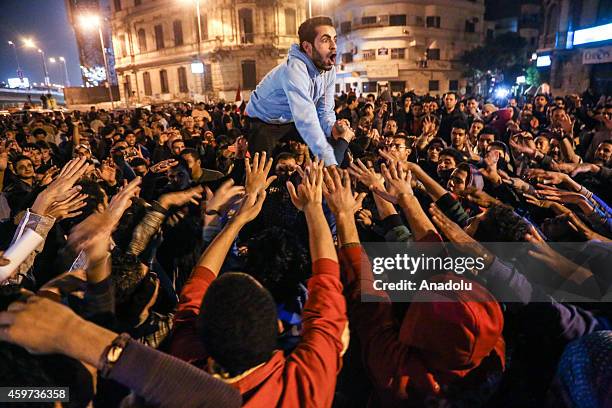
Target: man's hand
x: 68, y: 208
x: 123, y: 200
x: 479, y: 197
x: 338, y: 194
x: 366, y: 176
x: 223, y: 198
x: 342, y: 130
x: 180, y: 198
x: 250, y: 208
x: 40, y: 325
x: 310, y: 192
x: 163, y: 166
x: 108, y: 172
x: 397, y: 182
x: 257, y: 175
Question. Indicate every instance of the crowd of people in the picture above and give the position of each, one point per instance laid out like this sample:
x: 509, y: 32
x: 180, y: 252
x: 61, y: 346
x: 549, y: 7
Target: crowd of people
x: 181, y: 267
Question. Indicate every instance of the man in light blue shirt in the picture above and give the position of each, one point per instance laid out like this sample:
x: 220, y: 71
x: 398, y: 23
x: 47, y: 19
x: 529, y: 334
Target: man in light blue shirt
x: 296, y: 98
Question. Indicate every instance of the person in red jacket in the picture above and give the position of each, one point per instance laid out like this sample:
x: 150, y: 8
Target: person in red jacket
x: 228, y: 325
x: 449, y: 344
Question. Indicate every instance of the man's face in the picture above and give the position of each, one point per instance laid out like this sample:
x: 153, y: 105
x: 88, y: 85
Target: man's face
x: 540, y: 101
x: 603, y: 154
x: 559, y: 103
x: 323, y: 51
x: 130, y: 138
x: 24, y: 169
x: 484, y: 141
x: 450, y: 101
x: 391, y: 126
x: 189, y: 122
x: 542, y: 144
x: 513, y: 102
x: 140, y: 170
x: 417, y: 110
x: 487, y: 111
x: 285, y: 167
x: 458, y: 137
x: 433, y: 153
x: 457, y: 181
x: 407, y: 103
x: 446, y: 163
x: 528, y: 107
x: 81, y: 151
x: 399, y: 148
x: 297, y: 147
x: 476, y: 128
x: 191, y: 162
x: 472, y: 105
x: 178, y: 147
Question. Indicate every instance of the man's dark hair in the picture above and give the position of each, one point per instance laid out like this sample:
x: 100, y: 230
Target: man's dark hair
x: 176, y: 141
x: 487, y: 130
x: 308, y: 29
x: 284, y: 156
x: 20, y: 158
x: 502, y: 224
x: 138, y: 161
x: 191, y: 152
x: 39, y: 131
x: 277, y: 259
x: 455, y: 154
x: 351, y: 99
x: 460, y: 124
x: 238, y: 323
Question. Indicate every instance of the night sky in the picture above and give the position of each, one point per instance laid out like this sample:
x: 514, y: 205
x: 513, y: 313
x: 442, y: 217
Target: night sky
x: 46, y: 22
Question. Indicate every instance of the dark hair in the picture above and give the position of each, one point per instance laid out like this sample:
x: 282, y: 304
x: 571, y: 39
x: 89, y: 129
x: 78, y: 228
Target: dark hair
x: 277, y: 259
x: 20, y: 158
x: 238, y: 323
x: 138, y: 161
x: 434, y: 141
x: 284, y: 156
x: 460, y: 124
x: 351, y: 99
x: 454, y: 153
x: 502, y: 224
x: 190, y: 151
x: 41, y: 144
x: 308, y: 29
x: 39, y: 131
x: 487, y: 130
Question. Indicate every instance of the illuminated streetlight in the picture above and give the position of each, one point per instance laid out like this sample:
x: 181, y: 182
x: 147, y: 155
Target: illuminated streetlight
x: 62, y: 61
x: 88, y: 21
x: 29, y: 43
x: 19, y: 71
x: 52, y: 60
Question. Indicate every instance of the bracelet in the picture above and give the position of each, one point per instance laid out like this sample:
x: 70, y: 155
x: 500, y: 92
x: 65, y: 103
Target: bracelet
x: 212, y: 212
x: 156, y: 206
x: 112, y: 353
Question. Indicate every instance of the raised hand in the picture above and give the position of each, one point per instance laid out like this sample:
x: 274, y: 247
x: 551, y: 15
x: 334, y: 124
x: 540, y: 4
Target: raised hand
x: 180, y: 198
x: 68, y: 208
x: 397, y: 182
x: 3, y: 157
x: 251, y: 207
x: 222, y: 199
x: 310, y: 192
x: 108, y: 172
x: 257, y: 175
x: 338, y: 194
x: 366, y: 176
x: 479, y: 197
x: 490, y: 171
x: 163, y: 166
x: 122, y: 201
x: 543, y: 203
x: 566, y: 197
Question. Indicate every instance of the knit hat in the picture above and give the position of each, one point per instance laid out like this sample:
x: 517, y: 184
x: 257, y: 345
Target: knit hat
x: 453, y: 333
x: 585, y: 371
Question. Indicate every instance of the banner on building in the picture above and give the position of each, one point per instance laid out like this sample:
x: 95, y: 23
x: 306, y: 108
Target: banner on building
x: 599, y: 55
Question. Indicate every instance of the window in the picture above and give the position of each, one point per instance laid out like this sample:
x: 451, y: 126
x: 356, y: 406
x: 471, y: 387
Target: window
x: 117, y: 5
x: 159, y: 37
x: 398, y: 53
x: 347, y: 57
x: 182, y: 77
x: 337, y: 88
x: 433, y: 21
x: 470, y: 26
x: 434, y: 85
x: 127, y: 86
x: 453, y: 85
x: 345, y: 27
x: 290, y: 20
x: 177, y: 27
x: 398, y: 86
x: 137, y: 3
x: 203, y: 26
x: 142, y: 40
x: 397, y: 20
x: 249, y: 76
x: 122, y: 45
x: 245, y: 17
x: 369, y: 55
x: 146, y: 78
x: 369, y: 86
x: 433, y: 54
x: 208, y: 83
x: 163, y: 81
x: 368, y: 20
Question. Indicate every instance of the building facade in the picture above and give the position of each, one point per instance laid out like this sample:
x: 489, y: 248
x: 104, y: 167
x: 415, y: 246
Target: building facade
x: 575, y: 48
x: 88, y: 41
x: 159, y: 58
x: 406, y: 45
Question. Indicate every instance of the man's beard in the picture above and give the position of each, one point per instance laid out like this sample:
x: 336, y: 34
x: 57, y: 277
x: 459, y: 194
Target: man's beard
x: 319, y: 61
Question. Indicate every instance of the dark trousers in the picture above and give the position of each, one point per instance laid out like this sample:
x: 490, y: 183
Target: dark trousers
x: 265, y: 137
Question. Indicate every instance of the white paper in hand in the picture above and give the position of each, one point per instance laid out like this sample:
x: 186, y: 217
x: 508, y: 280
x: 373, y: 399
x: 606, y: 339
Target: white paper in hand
x: 19, y: 251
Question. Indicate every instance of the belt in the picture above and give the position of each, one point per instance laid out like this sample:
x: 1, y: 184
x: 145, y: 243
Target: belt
x: 257, y: 120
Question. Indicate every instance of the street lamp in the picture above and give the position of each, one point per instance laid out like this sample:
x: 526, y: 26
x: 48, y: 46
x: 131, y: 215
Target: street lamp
x: 197, y: 10
x: 62, y: 61
x: 19, y: 71
x: 29, y: 43
x: 92, y: 20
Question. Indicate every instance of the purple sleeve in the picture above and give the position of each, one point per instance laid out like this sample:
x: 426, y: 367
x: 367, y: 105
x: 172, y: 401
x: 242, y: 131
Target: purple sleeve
x: 165, y: 381
x: 542, y: 313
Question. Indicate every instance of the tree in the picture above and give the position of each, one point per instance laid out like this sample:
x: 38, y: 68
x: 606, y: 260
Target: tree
x: 532, y: 76
x: 503, y: 56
